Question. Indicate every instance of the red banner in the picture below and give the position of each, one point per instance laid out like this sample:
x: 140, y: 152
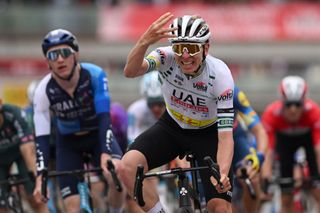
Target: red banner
x: 23, y: 67
x: 231, y: 22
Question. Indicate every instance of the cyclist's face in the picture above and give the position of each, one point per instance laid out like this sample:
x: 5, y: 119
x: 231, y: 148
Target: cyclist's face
x: 189, y: 60
x: 292, y: 112
x: 157, y: 109
x: 61, y: 59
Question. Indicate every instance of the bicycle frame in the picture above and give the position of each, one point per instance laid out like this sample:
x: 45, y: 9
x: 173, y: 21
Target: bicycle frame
x: 13, y: 201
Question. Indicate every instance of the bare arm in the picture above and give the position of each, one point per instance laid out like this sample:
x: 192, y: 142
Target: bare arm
x: 266, y: 170
x: 225, y: 151
x: 136, y: 65
x: 28, y: 151
x: 262, y: 138
x: 317, y: 151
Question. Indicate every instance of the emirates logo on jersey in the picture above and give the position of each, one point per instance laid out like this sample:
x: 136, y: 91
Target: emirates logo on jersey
x: 200, y: 86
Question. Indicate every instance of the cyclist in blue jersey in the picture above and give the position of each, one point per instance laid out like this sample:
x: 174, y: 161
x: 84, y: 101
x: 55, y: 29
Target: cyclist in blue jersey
x: 246, y: 154
x: 75, y: 95
x: 198, y: 94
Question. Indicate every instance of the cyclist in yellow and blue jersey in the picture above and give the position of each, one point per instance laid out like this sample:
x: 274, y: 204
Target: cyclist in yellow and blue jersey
x: 246, y: 153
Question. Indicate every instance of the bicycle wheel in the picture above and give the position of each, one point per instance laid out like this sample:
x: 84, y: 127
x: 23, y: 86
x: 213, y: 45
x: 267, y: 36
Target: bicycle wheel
x: 187, y: 209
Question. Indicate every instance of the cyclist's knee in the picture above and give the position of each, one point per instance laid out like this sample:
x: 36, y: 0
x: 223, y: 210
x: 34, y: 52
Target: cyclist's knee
x: 130, y: 161
x: 72, y: 203
x: 219, y: 206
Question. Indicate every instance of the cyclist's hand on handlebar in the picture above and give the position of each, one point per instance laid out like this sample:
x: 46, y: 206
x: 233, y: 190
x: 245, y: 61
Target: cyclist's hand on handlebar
x: 249, y: 171
x: 225, y: 181
x: 103, y: 163
x: 255, y: 159
x: 156, y: 31
x: 37, y: 191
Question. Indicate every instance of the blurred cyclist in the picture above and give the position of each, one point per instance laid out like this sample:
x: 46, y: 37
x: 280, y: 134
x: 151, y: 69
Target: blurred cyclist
x: 76, y: 95
x: 17, y: 146
x: 119, y: 121
x: 198, y: 92
x: 144, y: 112
x: 247, y: 154
x: 293, y: 122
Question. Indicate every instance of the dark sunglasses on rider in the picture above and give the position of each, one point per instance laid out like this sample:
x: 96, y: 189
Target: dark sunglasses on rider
x: 297, y: 104
x: 64, y: 52
x: 153, y: 104
x: 192, y: 48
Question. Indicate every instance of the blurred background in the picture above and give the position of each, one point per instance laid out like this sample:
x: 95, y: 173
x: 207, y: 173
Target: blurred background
x: 260, y: 40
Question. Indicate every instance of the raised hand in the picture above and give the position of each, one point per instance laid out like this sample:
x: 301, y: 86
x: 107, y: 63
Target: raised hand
x: 156, y: 31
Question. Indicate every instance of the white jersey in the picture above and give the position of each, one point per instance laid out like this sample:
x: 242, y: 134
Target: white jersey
x: 140, y: 118
x: 200, y: 101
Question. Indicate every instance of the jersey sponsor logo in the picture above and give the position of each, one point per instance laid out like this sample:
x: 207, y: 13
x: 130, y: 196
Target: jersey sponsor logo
x: 65, y: 105
x: 188, y: 101
x: 191, y: 121
x: 226, y: 95
x: 109, y: 139
x: 40, y: 159
x: 204, y: 29
x: 200, y: 86
x: 105, y: 84
x: 162, y: 55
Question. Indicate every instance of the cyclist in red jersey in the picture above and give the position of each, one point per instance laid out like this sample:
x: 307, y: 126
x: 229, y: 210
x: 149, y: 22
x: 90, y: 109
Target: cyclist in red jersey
x: 293, y: 122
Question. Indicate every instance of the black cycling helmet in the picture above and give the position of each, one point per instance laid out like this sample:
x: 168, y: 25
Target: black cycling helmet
x: 58, y: 37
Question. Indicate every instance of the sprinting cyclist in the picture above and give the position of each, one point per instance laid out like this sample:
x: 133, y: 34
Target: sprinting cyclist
x: 198, y: 92
x: 293, y: 122
x: 17, y: 146
x: 76, y: 95
x: 247, y: 154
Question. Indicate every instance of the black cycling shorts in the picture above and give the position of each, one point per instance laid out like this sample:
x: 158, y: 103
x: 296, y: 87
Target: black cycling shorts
x: 165, y: 140
x: 70, y: 150
x: 286, y: 148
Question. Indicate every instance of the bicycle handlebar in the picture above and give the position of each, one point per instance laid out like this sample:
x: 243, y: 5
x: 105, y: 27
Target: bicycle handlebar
x: 115, y: 178
x: 44, y: 181
x: 140, y: 176
x: 79, y: 172
x: 214, y: 170
x: 245, y: 177
x: 14, y: 180
x: 138, y: 186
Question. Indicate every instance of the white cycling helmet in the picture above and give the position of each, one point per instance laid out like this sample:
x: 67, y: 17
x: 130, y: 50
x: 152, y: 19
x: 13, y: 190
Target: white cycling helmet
x: 191, y: 29
x: 31, y: 90
x: 150, y: 87
x: 293, y: 89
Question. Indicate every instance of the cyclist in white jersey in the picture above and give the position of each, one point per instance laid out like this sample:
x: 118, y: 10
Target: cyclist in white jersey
x: 145, y: 111
x: 198, y: 92
x: 142, y: 114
